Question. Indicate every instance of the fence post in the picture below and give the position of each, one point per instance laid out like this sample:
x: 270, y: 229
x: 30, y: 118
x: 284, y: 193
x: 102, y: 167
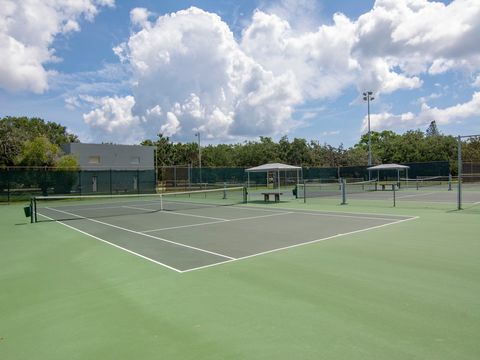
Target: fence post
x: 80, y: 181
x: 111, y: 190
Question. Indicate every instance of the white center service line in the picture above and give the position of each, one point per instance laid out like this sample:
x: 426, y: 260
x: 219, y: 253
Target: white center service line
x: 216, y: 222
x: 414, y: 195
x: 300, y: 244
x: 142, y: 234
x: 115, y: 245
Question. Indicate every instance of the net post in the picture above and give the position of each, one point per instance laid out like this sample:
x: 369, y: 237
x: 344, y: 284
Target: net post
x: 161, y: 202
x: 416, y: 181
x: 224, y: 190
x: 31, y: 210
x: 449, y: 182
x: 459, y: 160
x: 344, y: 191
x: 35, y: 209
x: 245, y: 194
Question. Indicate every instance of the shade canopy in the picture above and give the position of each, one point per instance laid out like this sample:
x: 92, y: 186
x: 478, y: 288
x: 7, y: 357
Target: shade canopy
x: 389, y: 167
x: 273, y: 167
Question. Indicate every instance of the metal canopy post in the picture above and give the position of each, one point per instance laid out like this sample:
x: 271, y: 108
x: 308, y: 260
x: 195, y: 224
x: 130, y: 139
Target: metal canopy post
x: 278, y: 179
x: 248, y: 185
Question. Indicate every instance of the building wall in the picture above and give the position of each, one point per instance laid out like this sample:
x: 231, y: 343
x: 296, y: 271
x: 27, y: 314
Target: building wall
x: 108, y: 156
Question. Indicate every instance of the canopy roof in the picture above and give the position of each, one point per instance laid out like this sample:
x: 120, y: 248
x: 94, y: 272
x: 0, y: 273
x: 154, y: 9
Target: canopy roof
x: 389, y: 167
x: 273, y: 167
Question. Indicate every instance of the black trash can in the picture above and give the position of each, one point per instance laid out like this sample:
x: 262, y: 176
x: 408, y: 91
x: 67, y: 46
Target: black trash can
x: 27, y: 210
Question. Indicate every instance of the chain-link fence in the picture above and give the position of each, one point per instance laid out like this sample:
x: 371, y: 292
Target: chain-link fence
x: 18, y: 183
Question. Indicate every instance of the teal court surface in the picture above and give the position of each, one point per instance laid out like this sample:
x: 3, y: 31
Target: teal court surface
x: 200, y: 277
x: 195, y: 235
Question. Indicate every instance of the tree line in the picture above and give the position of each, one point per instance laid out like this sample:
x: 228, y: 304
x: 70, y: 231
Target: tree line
x: 387, y: 147
x: 35, y: 142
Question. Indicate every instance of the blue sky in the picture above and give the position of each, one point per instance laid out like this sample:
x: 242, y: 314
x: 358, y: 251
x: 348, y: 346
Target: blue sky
x: 123, y: 71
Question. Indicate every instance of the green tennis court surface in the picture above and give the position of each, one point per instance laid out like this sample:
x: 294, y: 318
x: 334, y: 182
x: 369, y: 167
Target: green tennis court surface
x: 206, y: 235
x: 122, y: 280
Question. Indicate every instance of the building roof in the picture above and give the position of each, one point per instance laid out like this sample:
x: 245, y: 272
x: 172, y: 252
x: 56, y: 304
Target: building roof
x: 272, y: 167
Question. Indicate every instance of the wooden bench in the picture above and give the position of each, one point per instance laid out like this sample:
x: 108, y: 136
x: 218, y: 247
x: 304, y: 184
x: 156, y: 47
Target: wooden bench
x: 266, y: 196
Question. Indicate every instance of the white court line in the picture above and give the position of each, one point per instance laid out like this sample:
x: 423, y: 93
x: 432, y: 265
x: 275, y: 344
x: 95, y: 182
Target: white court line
x: 198, y: 216
x: 147, y: 235
x: 216, y: 222
x: 345, y: 216
x: 136, y: 208
x: 103, y: 207
x: 415, y: 195
x: 330, y: 213
x: 279, y: 211
x: 301, y: 244
x: 115, y: 245
x: 183, y: 226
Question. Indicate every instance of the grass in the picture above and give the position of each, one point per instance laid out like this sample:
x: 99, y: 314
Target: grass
x: 408, y: 291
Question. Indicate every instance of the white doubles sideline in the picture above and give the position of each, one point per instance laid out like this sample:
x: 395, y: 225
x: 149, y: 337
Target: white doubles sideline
x: 277, y: 212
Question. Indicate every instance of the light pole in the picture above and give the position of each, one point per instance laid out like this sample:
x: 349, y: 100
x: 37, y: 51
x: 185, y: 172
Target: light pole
x: 367, y: 96
x: 199, y: 157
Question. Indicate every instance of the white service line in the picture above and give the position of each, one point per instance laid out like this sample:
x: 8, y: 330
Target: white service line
x: 197, y: 216
x: 321, y: 212
x: 115, y: 245
x: 103, y: 207
x: 184, y: 226
x: 301, y: 244
x: 415, y: 195
x: 147, y: 235
x: 216, y: 222
x: 174, y: 212
x: 138, y: 208
x: 344, y: 216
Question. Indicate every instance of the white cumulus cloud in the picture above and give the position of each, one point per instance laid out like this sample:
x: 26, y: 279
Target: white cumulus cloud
x: 427, y: 114
x: 401, y: 39
x: 27, y: 31
x: 189, y: 66
x: 113, y: 119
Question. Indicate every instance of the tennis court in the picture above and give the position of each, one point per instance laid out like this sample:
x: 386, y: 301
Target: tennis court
x: 205, y: 276
x: 193, y: 230
x: 424, y: 191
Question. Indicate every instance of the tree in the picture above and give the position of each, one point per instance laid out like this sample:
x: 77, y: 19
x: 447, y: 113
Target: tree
x: 432, y: 129
x: 38, y: 152
x: 15, y: 131
x: 67, y: 162
x: 164, y: 150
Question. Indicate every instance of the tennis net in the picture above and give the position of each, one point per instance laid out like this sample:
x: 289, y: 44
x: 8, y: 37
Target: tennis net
x: 360, y: 186
x: 434, y: 181
x: 60, y: 208
x: 312, y: 190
